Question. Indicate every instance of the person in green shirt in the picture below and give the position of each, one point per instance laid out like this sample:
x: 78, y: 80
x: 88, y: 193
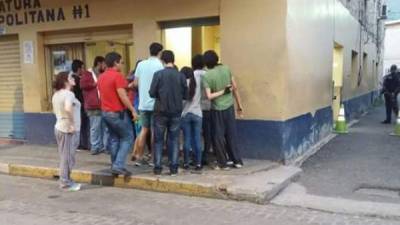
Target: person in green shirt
x: 221, y: 90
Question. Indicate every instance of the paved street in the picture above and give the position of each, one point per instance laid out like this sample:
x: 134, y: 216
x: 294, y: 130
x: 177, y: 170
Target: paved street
x: 364, y: 158
x: 356, y: 173
x: 27, y: 201
x: 368, y: 157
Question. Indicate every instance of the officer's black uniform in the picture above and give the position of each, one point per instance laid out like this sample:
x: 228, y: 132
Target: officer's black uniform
x: 391, y: 88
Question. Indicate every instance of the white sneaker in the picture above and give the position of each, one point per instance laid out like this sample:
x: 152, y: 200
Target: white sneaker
x: 74, y: 187
x: 238, y: 166
x: 221, y: 168
x: 229, y: 163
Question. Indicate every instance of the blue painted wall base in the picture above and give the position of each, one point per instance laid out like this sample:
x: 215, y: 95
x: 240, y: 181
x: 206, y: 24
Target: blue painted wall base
x: 287, y: 140
x: 281, y: 141
x: 39, y: 128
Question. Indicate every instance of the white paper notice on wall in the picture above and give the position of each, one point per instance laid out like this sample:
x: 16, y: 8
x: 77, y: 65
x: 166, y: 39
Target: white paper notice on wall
x: 28, y: 52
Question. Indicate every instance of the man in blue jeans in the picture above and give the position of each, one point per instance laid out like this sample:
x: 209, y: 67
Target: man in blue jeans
x: 91, y: 96
x: 169, y: 88
x: 115, y: 104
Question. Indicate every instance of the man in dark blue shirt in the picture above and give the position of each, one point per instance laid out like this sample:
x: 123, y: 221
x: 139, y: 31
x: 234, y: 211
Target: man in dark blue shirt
x: 169, y: 88
x: 390, y: 90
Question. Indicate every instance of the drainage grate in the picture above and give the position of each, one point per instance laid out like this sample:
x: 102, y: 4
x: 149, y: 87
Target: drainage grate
x: 380, y: 192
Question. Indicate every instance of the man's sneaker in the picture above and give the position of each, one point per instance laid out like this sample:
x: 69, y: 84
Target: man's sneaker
x: 140, y: 162
x: 149, y: 161
x: 238, y: 166
x: 186, y: 166
x: 173, y: 172
x: 229, y: 163
x: 117, y: 172
x: 96, y: 152
x: 157, y: 171
x: 74, y: 187
x: 127, y: 172
x: 198, y: 170
x: 225, y: 168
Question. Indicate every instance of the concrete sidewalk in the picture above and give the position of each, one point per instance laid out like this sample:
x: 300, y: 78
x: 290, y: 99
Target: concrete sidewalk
x: 258, y: 181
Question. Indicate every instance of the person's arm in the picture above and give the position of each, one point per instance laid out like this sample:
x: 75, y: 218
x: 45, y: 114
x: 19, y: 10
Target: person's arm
x: 123, y: 96
x: 87, y: 83
x: 153, y: 92
x: 137, y: 75
x: 209, y: 94
x: 237, y: 97
x: 68, y: 107
x: 384, y: 86
x: 185, y: 91
x: 213, y: 95
x: 132, y: 86
x: 121, y: 85
x: 136, y: 82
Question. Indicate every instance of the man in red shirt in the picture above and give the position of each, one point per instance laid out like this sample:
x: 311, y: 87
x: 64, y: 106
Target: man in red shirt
x: 115, y: 104
x: 91, y: 96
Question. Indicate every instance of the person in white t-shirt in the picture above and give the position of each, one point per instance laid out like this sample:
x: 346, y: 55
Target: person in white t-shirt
x: 67, y: 110
x: 192, y: 120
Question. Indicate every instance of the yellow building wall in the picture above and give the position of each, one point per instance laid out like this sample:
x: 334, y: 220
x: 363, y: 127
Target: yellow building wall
x: 211, y: 36
x: 313, y: 26
x: 197, y: 42
x: 280, y: 52
x: 253, y: 44
x: 347, y: 31
x: 205, y: 38
x: 101, y: 48
x: 337, y: 79
x: 142, y: 14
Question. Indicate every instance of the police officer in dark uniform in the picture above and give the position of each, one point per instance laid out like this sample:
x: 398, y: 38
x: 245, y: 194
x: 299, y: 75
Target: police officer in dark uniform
x: 390, y: 90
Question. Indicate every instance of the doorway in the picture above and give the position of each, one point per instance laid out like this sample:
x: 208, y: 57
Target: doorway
x: 337, y: 79
x: 191, y: 39
x: 101, y: 48
x: 59, y: 57
x: 63, y: 46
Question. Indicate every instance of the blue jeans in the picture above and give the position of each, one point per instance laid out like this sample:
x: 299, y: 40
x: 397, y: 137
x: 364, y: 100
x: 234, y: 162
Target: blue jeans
x: 98, y: 133
x: 171, y: 125
x: 191, y: 126
x: 121, y: 137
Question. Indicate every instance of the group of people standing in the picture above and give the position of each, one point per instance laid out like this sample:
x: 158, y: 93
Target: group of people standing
x: 198, y: 100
